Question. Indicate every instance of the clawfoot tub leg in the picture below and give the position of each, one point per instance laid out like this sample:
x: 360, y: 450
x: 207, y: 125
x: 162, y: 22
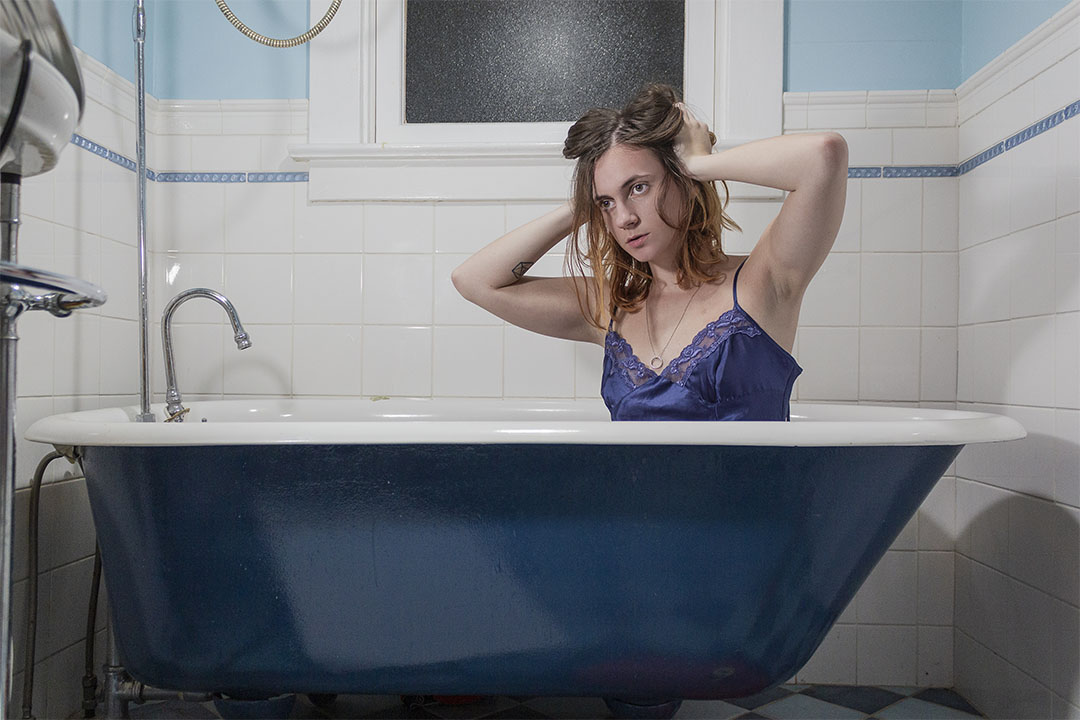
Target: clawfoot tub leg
x: 643, y: 708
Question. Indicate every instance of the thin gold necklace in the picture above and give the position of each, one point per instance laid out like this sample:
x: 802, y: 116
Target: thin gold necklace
x: 657, y: 361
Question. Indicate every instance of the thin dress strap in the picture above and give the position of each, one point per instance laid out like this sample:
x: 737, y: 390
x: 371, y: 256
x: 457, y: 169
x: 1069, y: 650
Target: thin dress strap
x: 735, y: 282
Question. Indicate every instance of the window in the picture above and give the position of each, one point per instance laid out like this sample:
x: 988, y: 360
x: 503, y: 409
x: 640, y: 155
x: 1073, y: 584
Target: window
x: 477, y: 61
x: 392, y: 123
x: 367, y: 141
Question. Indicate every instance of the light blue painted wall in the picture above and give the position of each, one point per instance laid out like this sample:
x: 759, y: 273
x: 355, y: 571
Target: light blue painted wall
x: 900, y: 44
x: 871, y: 44
x: 103, y: 30
x: 192, y: 52
x: 990, y: 27
x: 208, y: 59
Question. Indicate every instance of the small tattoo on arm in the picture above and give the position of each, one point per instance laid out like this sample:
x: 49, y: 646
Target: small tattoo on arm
x: 521, y: 268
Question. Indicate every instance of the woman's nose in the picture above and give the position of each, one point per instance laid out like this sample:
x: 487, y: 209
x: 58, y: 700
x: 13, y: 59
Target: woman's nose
x: 625, y: 217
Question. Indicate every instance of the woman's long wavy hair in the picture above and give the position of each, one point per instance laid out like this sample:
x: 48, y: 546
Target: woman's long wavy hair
x: 618, y: 281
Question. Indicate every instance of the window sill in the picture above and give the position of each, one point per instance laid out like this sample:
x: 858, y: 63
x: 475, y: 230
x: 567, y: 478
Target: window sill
x: 415, y: 173
x: 466, y: 172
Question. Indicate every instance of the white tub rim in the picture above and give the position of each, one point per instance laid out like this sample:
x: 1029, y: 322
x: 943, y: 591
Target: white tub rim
x: 413, y: 421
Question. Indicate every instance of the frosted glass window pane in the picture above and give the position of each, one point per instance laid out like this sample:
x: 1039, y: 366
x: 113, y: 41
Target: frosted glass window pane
x: 535, y: 60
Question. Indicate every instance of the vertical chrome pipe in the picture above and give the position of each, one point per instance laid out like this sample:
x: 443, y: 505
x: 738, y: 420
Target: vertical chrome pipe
x: 140, y: 161
x: 9, y: 244
x: 115, y: 700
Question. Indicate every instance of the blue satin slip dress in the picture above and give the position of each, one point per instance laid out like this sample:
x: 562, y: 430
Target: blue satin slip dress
x: 731, y: 370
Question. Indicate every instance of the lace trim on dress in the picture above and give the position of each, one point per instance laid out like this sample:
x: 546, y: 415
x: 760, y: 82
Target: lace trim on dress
x: 707, y: 341
x: 701, y: 347
x: 633, y: 370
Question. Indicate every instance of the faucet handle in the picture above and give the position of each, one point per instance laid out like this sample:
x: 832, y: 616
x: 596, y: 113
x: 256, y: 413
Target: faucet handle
x: 178, y: 415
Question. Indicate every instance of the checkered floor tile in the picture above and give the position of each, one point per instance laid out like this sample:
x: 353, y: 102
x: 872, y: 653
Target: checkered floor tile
x: 787, y: 702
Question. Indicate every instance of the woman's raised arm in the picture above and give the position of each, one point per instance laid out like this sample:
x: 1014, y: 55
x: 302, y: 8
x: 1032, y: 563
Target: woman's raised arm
x: 812, y: 167
x: 494, y: 278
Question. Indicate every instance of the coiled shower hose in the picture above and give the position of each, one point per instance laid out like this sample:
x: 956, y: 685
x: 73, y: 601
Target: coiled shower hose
x: 275, y: 42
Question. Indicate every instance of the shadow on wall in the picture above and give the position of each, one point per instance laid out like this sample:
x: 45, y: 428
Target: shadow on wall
x: 1023, y: 275
x: 1017, y: 590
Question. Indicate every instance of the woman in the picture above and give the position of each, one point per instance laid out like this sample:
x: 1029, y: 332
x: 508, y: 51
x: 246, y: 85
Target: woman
x: 689, y: 333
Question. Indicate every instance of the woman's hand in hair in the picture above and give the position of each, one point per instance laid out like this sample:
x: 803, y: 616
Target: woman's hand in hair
x: 694, y: 139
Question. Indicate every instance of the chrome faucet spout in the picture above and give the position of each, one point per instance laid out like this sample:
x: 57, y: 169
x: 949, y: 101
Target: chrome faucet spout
x: 174, y: 410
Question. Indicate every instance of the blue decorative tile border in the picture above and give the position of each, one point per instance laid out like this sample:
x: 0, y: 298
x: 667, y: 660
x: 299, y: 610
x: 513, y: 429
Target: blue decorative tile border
x: 984, y: 156
x: 939, y: 171
x: 1043, y: 125
x: 920, y: 171
x: 104, y: 152
x: 186, y: 177
x: 265, y: 177
x: 876, y: 171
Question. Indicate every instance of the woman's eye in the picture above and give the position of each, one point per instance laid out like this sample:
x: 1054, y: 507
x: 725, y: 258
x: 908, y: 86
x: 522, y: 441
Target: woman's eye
x: 639, y: 188
x: 604, y: 204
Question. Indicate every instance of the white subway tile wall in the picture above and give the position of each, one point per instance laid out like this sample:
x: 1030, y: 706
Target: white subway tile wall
x: 317, y: 372
x: 937, y: 368
x: 887, y: 654
x: 253, y: 217
x: 833, y: 299
x: 396, y: 228
x: 467, y: 361
x: 326, y: 228
x: 890, y: 594
x: 939, y: 215
x: 939, y: 289
x: 891, y: 215
x: 397, y: 360
x: 398, y: 290
x: 836, y: 661
x: 830, y: 360
x: 1018, y: 527
x: 935, y: 651
x: 321, y: 285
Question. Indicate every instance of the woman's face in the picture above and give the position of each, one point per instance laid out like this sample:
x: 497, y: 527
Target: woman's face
x: 627, y: 186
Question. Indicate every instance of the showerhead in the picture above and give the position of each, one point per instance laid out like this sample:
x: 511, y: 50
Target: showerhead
x: 39, y: 22
x: 41, y: 96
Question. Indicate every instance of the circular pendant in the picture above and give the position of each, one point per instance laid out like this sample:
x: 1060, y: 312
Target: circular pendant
x: 657, y: 362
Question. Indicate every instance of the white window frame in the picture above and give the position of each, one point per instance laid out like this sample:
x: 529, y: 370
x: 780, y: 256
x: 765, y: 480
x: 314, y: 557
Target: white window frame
x: 359, y: 147
x: 390, y: 126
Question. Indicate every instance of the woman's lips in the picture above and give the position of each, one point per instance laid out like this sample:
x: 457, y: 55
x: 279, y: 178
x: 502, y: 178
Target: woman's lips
x: 637, y: 241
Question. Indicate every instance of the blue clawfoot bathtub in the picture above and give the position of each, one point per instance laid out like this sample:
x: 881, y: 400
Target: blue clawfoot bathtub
x: 490, y: 547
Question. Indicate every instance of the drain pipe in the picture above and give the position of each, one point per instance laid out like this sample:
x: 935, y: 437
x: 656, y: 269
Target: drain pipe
x: 140, y: 162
